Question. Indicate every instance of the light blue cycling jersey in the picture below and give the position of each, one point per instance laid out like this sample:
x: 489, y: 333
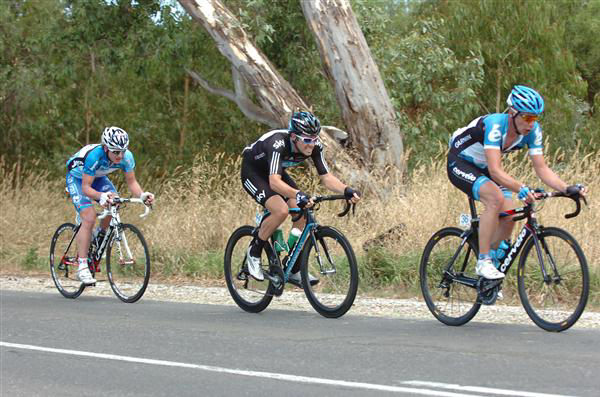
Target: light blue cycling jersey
x: 92, y: 160
x: 489, y: 132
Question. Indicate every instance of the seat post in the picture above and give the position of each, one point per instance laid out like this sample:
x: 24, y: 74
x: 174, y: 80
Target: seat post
x: 473, y: 208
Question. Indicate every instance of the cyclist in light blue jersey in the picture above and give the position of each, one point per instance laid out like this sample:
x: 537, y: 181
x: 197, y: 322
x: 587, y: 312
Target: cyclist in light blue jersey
x: 87, y: 180
x: 475, y: 167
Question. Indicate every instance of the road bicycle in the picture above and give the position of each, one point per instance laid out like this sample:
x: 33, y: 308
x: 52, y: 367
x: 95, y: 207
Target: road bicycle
x: 127, y: 256
x: 552, y: 277
x: 322, y: 251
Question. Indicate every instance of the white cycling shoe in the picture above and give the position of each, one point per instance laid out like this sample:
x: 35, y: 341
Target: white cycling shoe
x: 486, y: 269
x: 254, y: 267
x: 296, y: 279
x: 85, y: 276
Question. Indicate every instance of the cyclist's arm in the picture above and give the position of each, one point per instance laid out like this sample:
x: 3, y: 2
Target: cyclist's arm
x: 494, y: 162
x: 132, y: 183
x: 332, y: 183
x: 87, y: 189
x: 279, y: 186
x: 546, y: 174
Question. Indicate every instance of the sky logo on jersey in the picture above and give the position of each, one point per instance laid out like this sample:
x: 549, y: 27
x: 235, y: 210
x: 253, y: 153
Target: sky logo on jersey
x: 464, y: 175
x: 278, y: 143
x: 260, y: 196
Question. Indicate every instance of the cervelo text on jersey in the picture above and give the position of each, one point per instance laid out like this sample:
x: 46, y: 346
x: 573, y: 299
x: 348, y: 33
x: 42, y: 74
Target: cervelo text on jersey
x: 274, y: 151
x: 464, y: 175
x: 92, y: 160
x: 489, y: 132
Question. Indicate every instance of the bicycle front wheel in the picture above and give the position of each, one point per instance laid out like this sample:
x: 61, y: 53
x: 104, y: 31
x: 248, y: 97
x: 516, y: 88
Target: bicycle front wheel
x: 450, y: 301
x: 250, y: 294
x: 128, y: 263
x: 333, y: 263
x: 555, y: 301
x: 63, y: 261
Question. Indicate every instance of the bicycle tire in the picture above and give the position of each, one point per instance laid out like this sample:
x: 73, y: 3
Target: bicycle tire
x: 442, y: 295
x: 256, y: 298
x: 554, y: 306
x: 64, y: 272
x: 129, y: 272
x: 336, y: 290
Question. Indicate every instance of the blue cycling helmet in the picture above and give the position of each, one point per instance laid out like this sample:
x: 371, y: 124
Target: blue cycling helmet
x: 304, y: 123
x: 526, y: 100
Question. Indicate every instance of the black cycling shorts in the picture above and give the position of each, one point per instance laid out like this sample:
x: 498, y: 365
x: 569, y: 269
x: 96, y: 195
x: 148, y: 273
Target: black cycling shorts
x: 469, y: 178
x: 257, y: 183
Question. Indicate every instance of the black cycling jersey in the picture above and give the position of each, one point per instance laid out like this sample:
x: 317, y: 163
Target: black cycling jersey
x: 274, y: 152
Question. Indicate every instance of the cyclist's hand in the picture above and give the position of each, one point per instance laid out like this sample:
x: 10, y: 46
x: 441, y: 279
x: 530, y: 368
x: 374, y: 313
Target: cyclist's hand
x: 526, y: 194
x: 106, y: 199
x: 147, y: 198
x: 352, y: 195
x: 303, y: 201
x: 575, y: 190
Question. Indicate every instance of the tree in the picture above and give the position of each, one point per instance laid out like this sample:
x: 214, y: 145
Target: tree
x: 366, y: 107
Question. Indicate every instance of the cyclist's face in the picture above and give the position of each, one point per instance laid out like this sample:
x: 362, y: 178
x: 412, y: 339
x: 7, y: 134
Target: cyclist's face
x: 303, y: 145
x: 525, y: 122
x: 115, y: 156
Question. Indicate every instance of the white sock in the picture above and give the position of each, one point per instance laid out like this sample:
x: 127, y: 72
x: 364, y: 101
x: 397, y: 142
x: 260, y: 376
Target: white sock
x: 83, y: 263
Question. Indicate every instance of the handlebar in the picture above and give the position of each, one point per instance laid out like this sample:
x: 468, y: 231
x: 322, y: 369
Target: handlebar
x: 541, y: 194
x: 119, y: 200
x: 318, y: 199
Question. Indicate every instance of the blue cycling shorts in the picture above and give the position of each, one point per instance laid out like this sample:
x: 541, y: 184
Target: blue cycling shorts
x: 80, y: 201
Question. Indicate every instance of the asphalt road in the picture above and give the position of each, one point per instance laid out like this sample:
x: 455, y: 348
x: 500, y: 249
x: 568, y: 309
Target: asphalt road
x: 98, y: 346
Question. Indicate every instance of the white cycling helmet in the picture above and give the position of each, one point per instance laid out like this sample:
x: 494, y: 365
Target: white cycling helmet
x: 115, y: 138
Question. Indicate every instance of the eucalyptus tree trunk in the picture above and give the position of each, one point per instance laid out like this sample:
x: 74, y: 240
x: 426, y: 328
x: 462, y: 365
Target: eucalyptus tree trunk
x: 366, y: 107
x: 251, y: 68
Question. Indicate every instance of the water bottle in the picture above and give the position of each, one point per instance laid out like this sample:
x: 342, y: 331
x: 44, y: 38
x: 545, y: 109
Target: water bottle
x: 98, y: 236
x: 293, y: 237
x: 280, y: 244
x: 500, y: 253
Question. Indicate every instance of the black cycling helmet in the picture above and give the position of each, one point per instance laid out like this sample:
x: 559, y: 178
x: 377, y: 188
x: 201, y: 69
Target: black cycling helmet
x: 304, y: 123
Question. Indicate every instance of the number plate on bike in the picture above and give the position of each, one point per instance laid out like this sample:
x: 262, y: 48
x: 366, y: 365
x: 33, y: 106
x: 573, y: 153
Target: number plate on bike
x: 464, y: 220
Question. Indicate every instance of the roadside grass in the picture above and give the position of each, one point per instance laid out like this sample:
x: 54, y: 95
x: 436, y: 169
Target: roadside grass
x: 198, y: 208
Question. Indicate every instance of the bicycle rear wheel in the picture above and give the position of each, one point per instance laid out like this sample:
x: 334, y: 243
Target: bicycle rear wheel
x: 334, y: 264
x: 128, y: 263
x: 250, y: 294
x: 63, y: 261
x: 556, y: 302
x: 451, y: 302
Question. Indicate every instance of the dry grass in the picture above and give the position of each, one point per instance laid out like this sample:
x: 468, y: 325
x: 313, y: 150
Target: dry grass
x: 198, y: 208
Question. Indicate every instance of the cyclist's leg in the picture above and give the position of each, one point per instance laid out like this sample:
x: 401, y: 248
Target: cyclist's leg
x: 492, y: 198
x: 291, y: 202
x: 83, y: 206
x: 476, y: 183
x: 104, y: 185
x: 506, y: 224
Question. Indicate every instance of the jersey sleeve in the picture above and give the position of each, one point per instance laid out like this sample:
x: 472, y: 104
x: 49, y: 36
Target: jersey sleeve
x: 536, y: 141
x: 128, y: 161
x: 492, y: 135
x: 92, y: 163
x: 275, y: 147
x: 318, y: 157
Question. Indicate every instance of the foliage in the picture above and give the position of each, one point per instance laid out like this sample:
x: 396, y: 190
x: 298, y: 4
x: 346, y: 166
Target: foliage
x: 68, y: 68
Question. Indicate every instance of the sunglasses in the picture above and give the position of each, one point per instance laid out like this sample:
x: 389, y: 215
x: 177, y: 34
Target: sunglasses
x: 307, y: 140
x: 530, y: 118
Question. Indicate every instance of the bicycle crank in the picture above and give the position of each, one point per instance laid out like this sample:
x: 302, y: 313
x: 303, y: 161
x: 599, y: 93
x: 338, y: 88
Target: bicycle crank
x: 487, y: 290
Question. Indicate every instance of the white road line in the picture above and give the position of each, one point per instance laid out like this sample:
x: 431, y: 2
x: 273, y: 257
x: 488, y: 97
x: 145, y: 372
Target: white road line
x: 256, y: 374
x: 478, y: 389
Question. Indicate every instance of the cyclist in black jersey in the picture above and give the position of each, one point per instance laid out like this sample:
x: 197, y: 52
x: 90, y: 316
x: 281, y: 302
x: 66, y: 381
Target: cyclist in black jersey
x: 264, y: 177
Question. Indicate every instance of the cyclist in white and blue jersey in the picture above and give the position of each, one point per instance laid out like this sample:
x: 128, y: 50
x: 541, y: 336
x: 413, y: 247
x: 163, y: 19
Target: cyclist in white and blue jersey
x: 264, y: 177
x: 475, y: 167
x: 87, y: 180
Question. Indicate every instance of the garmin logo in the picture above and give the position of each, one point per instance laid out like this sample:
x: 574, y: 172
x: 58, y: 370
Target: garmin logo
x: 514, y: 249
x: 464, y: 175
x: 461, y: 141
